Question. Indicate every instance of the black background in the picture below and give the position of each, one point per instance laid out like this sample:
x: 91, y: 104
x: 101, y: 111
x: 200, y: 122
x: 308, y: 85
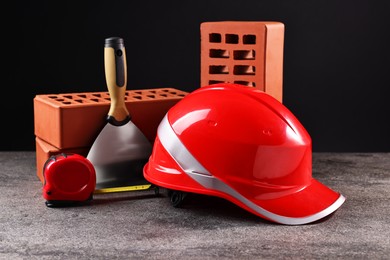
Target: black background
x: 336, y: 59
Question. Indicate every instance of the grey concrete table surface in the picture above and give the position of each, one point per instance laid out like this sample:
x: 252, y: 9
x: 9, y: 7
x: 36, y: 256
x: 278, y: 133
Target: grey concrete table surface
x: 141, y: 225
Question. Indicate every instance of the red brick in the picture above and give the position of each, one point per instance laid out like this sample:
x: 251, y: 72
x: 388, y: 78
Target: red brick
x: 75, y: 119
x: 44, y: 150
x: 70, y: 122
x: 243, y: 52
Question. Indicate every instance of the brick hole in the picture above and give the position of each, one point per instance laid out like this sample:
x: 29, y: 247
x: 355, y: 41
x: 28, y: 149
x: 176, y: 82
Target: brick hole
x: 180, y: 95
x: 211, y: 82
x: 245, y: 83
x: 244, y: 70
x: 82, y: 96
x: 53, y: 97
x: 152, y: 91
x: 163, y: 95
x: 215, y: 37
x: 108, y: 99
x: 151, y: 96
x: 244, y: 55
x: 68, y: 96
x: 165, y: 90
x: 79, y: 100
x: 60, y: 99
x: 138, y: 92
x: 66, y: 102
x: 249, y: 39
x: 96, y: 95
x: 173, y: 92
x: 94, y: 99
x: 218, y: 53
x: 137, y: 97
x: 231, y: 38
x: 218, y: 69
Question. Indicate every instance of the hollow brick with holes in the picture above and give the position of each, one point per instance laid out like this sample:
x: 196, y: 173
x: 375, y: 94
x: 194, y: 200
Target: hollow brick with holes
x: 243, y: 52
x: 72, y: 121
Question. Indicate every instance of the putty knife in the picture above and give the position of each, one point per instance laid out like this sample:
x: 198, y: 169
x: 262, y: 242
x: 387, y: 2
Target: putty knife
x: 121, y: 150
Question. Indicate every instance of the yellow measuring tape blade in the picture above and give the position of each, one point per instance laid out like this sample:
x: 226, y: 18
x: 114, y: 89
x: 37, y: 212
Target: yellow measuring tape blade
x: 122, y: 189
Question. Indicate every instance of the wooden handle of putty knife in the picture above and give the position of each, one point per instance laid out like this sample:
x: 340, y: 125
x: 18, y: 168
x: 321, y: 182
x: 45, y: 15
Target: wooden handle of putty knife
x: 116, y: 79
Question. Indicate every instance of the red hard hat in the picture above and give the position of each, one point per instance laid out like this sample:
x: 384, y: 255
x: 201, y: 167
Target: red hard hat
x: 243, y: 145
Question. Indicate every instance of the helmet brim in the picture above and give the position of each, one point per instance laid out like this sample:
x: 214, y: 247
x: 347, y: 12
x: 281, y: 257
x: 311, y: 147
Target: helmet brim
x: 307, y: 205
x: 301, y: 206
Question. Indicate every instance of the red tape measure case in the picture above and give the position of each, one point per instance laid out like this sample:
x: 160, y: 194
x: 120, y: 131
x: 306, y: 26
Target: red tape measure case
x: 68, y: 179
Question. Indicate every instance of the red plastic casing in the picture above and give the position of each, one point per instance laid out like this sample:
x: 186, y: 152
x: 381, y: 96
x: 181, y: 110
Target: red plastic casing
x: 252, y: 150
x: 68, y: 177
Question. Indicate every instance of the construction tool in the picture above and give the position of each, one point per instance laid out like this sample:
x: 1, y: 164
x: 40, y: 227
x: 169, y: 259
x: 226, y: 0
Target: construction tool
x: 69, y: 179
x: 121, y: 150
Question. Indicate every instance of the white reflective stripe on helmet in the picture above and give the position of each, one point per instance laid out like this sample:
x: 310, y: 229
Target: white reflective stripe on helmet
x: 197, y: 172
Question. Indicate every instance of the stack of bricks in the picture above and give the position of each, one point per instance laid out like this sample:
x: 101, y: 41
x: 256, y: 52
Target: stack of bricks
x: 70, y: 123
x: 243, y: 52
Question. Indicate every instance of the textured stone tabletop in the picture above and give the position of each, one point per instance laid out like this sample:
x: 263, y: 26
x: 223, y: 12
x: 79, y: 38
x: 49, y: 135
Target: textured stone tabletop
x: 141, y: 225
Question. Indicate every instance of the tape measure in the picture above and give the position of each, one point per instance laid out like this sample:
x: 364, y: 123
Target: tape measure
x: 127, y: 188
x: 69, y: 179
